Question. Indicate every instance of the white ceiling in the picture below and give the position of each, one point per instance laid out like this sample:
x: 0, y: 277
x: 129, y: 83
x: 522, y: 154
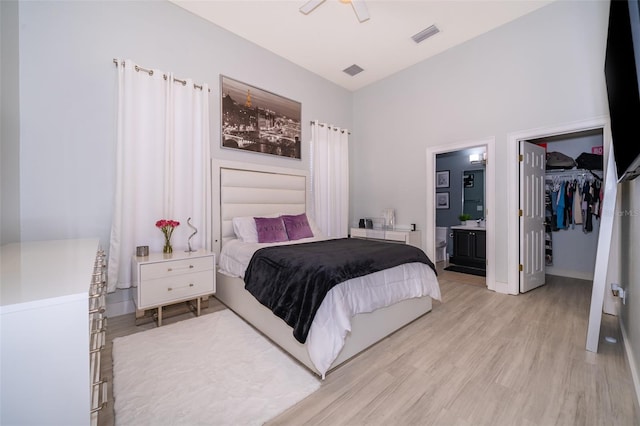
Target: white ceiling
x: 330, y: 38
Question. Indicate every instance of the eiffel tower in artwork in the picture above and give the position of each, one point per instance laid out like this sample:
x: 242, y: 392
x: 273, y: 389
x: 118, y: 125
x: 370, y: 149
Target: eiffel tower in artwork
x: 248, y: 102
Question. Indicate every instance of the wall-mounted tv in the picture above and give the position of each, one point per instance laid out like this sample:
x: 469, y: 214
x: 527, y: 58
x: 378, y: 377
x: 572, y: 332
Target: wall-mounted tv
x: 622, y: 63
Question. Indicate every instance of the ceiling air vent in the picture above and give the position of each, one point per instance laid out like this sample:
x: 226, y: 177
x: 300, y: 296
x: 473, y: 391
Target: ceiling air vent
x: 353, y: 70
x: 425, y: 34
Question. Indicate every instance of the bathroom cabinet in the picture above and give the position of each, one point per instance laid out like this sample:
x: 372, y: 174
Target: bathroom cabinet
x: 469, y: 247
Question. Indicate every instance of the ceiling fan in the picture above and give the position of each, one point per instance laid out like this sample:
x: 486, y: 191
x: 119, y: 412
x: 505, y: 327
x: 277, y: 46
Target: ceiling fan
x: 359, y: 7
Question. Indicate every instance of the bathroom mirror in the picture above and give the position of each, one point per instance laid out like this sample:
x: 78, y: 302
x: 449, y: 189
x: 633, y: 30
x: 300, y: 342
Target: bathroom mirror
x: 473, y: 193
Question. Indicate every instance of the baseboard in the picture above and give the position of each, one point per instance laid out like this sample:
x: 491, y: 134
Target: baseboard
x: 632, y: 363
x: 581, y: 275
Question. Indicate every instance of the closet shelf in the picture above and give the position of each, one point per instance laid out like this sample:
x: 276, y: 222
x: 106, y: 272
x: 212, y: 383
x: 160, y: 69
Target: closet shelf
x: 570, y: 173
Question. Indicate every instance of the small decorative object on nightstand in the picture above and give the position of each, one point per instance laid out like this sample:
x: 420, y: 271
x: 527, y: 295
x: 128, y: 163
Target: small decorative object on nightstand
x: 165, y: 279
x: 195, y: 231
x: 167, y: 227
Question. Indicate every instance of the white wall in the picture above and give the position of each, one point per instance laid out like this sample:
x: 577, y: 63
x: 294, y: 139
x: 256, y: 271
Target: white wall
x: 9, y: 124
x: 67, y: 99
x: 543, y: 69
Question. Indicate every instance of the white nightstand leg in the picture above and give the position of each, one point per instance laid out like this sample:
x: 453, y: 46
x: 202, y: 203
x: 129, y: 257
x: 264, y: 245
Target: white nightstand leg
x: 198, y: 307
x: 159, y: 316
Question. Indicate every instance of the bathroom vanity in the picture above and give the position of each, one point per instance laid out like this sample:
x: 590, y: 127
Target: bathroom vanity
x: 469, y: 246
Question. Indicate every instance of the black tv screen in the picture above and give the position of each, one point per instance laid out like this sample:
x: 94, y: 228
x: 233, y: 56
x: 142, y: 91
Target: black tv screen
x: 622, y: 62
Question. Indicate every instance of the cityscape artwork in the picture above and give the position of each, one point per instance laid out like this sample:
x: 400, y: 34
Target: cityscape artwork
x: 259, y: 121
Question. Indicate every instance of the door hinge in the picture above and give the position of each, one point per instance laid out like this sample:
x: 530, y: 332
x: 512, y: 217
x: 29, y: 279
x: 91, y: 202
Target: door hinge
x: 520, y: 267
x: 520, y: 213
x: 521, y: 157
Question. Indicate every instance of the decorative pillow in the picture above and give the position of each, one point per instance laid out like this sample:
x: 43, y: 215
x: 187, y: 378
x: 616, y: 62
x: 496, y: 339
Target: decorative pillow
x: 271, y: 230
x: 297, y: 226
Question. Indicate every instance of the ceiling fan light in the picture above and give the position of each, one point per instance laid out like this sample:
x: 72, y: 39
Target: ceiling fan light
x: 425, y: 34
x: 310, y: 5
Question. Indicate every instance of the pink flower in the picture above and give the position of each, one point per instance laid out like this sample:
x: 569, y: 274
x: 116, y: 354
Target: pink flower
x: 167, y: 226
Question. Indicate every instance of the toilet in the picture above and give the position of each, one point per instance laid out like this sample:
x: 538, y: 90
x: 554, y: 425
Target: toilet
x: 441, y: 244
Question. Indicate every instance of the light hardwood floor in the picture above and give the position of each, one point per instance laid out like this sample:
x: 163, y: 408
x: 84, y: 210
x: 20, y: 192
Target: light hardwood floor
x: 479, y: 358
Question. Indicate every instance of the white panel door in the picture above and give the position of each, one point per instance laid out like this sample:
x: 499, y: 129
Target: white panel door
x: 532, y: 238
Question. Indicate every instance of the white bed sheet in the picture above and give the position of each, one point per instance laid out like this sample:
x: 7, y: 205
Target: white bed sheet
x: 332, y: 322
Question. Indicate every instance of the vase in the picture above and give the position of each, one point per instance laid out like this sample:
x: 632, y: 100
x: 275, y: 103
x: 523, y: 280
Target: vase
x: 167, y: 247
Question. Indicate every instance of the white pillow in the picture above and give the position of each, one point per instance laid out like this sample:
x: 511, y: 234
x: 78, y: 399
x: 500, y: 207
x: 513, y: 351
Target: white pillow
x: 245, y: 227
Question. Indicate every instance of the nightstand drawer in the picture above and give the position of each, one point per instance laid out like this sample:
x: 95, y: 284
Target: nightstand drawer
x: 171, y: 289
x: 395, y: 236
x: 358, y: 233
x: 171, y: 268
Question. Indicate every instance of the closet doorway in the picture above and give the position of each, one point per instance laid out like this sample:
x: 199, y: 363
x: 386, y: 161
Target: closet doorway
x: 605, y: 269
x: 447, y: 187
x: 567, y: 207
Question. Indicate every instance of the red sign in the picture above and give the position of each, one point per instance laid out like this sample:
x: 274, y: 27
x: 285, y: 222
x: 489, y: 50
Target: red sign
x: 597, y: 150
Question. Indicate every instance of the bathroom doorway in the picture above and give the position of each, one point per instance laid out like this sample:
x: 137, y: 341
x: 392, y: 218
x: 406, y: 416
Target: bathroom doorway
x: 457, y: 178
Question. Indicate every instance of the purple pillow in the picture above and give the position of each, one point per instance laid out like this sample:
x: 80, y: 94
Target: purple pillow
x: 297, y: 226
x: 270, y: 230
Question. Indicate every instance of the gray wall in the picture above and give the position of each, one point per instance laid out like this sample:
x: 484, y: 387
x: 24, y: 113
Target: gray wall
x: 541, y: 70
x: 9, y: 124
x: 456, y: 163
x: 630, y: 274
x: 67, y: 99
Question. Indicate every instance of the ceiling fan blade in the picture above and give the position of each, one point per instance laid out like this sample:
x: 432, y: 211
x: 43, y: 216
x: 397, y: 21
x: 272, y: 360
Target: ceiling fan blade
x: 310, y: 5
x: 361, y: 10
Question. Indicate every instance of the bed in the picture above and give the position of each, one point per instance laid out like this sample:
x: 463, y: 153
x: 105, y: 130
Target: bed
x: 247, y: 193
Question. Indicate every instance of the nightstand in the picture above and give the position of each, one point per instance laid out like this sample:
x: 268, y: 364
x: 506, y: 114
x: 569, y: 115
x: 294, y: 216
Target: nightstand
x: 165, y: 279
x: 413, y: 238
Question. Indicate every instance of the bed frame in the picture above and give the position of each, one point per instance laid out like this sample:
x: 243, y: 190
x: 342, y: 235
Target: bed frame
x: 268, y: 190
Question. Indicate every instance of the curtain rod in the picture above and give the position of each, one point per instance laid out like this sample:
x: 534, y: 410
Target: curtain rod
x: 331, y: 127
x: 150, y: 72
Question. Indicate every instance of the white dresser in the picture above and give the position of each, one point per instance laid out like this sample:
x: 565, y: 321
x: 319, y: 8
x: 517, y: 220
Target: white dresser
x: 165, y: 279
x: 52, y: 330
x: 413, y: 238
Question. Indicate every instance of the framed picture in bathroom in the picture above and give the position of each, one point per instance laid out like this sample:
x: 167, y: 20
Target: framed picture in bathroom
x: 442, y: 179
x: 442, y: 200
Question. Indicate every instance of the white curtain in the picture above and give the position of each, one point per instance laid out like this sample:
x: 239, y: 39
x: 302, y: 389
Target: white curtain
x: 162, y: 166
x: 330, y: 179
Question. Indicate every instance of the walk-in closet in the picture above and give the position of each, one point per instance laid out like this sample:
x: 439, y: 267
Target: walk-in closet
x: 573, y: 202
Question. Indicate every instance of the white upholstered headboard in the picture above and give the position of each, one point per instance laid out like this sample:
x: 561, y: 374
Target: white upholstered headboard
x: 254, y: 191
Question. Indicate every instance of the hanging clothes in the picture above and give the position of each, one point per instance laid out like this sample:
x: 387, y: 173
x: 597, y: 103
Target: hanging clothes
x: 560, y: 206
x: 587, y: 207
x: 572, y: 202
x: 568, y: 203
x: 577, y: 204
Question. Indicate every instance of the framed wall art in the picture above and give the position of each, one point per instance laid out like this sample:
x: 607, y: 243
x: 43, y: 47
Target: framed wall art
x: 442, y: 200
x: 257, y: 120
x: 442, y: 179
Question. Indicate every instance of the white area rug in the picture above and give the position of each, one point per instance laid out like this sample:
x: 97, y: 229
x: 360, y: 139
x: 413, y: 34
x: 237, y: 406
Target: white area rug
x: 210, y: 370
